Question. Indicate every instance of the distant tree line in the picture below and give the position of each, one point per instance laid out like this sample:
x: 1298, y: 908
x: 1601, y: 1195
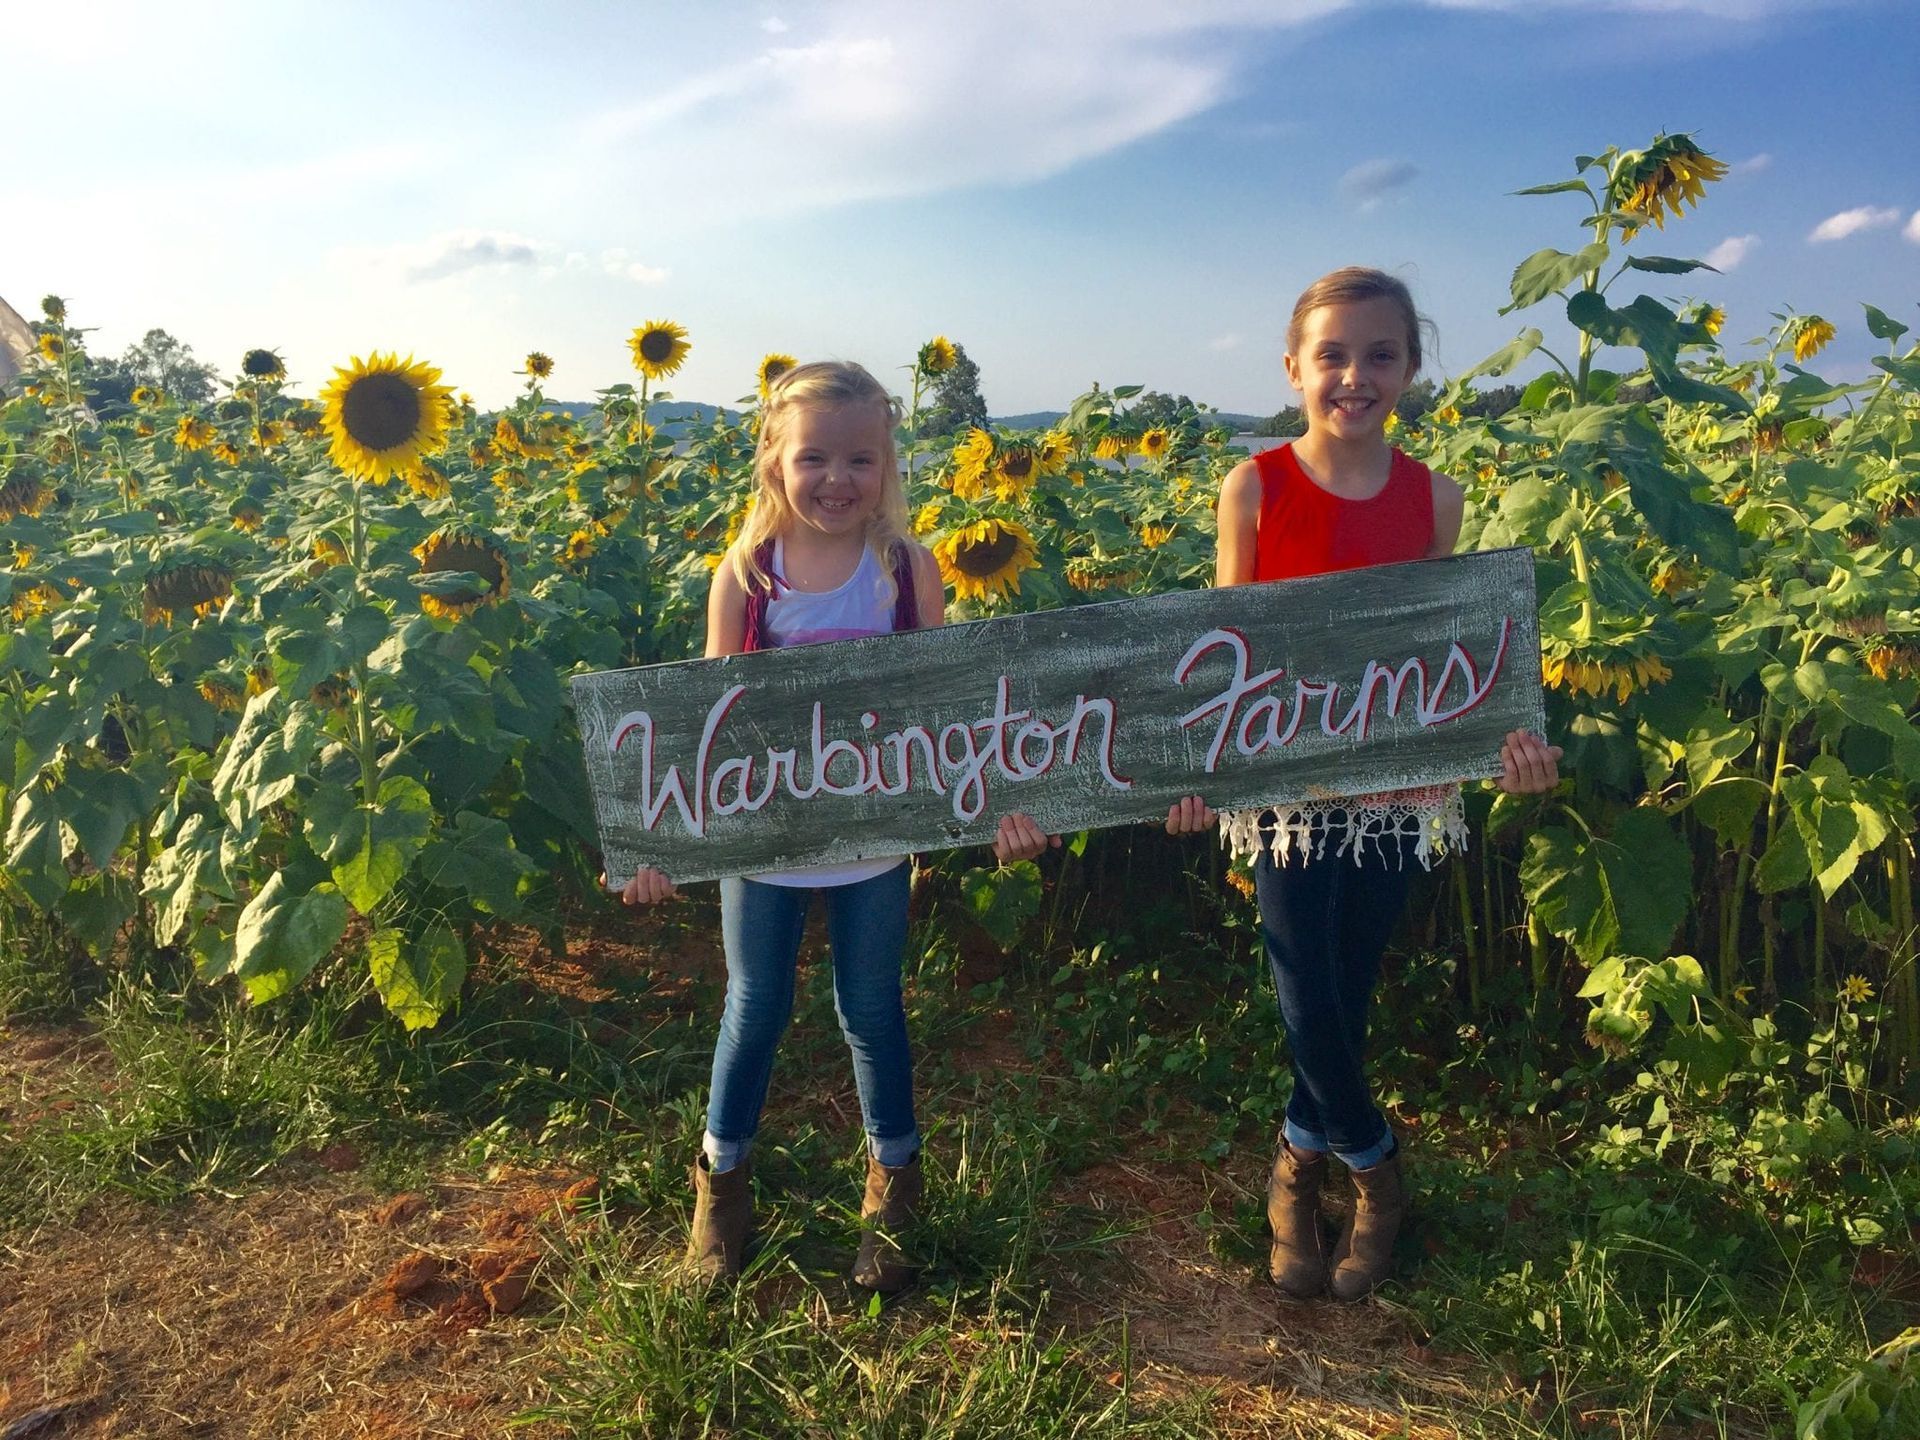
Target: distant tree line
x: 1415, y: 402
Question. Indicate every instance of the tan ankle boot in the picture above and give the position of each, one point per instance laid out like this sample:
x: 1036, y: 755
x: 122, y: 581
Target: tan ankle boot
x: 722, y: 1219
x: 1364, y: 1256
x: 891, y: 1205
x: 1298, y: 1259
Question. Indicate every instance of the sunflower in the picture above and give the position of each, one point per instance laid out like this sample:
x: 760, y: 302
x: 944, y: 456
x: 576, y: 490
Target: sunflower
x: 38, y: 598
x: 659, y: 348
x: 329, y: 551
x: 927, y: 518
x: 1052, y: 451
x: 306, y: 420
x: 1809, y: 335
x: 52, y: 347
x: 22, y: 494
x: 1886, y: 657
x: 938, y: 356
x: 971, y: 458
x: 428, y: 481
x: 580, y: 547
x: 1014, y: 471
x: 514, y: 437
x: 23, y: 554
x: 1856, y: 988
x: 984, y: 560
x: 1154, y: 442
x: 383, y: 414
x: 145, y: 395
x: 226, y: 452
x: 462, y: 548
x: 53, y: 307
x: 221, y: 693
x: 1663, y: 179
x: 263, y: 365
x: 1711, y: 318
x: 1587, y: 673
x: 188, y: 584
x: 247, y: 517
x: 1447, y: 415
x: 772, y: 366
x: 1113, y: 446
x: 1086, y: 573
x: 192, y: 433
x: 1154, y: 536
x: 1674, y: 578
x: 538, y: 365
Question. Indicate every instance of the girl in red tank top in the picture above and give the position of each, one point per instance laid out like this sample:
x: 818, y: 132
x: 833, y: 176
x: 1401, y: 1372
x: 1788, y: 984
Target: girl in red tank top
x: 1338, y: 498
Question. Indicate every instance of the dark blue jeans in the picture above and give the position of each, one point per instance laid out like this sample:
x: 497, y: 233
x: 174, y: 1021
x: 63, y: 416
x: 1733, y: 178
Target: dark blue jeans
x: 1325, y: 924
x: 760, y: 926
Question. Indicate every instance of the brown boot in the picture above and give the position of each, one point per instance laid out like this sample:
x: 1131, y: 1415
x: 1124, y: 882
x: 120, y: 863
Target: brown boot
x: 722, y: 1219
x: 1298, y: 1260
x: 1364, y: 1256
x: 891, y: 1205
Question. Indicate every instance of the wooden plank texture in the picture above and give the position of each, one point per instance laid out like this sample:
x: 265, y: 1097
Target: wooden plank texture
x: 1340, y: 684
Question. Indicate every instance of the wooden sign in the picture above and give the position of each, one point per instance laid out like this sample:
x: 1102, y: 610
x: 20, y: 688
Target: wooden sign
x: 1342, y: 684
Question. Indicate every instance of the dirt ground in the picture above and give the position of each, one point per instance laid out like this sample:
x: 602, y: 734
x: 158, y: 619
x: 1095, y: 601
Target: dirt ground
x: 317, y: 1306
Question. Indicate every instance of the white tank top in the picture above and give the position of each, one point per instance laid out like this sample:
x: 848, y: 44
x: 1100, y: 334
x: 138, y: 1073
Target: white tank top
x: 863, y: 605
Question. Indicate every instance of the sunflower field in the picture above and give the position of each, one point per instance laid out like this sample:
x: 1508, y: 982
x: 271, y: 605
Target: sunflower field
x: 287, y: 677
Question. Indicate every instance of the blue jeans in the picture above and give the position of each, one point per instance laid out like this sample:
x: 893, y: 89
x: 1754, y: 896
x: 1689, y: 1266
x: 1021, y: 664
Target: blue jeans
x: 1325, y: 924
x: 760, y: 926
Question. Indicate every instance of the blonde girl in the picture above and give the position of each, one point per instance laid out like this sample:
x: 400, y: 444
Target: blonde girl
x: 824, y: 555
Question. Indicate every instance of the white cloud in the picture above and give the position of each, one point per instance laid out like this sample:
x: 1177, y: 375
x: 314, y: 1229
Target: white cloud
x: 1752, y: 165
x: 1231, y: 341
x: 1368, y: 184
x: 774, y: 25
x: 886, y: 100
x: 1912, y: 232
x: 1728, y: 254
x: 1852, y: 222
x: 619, y: 263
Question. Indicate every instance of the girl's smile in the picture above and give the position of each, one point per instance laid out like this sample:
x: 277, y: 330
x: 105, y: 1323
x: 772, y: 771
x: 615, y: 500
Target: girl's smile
x: 1352, y: 365
x: 830, y: 465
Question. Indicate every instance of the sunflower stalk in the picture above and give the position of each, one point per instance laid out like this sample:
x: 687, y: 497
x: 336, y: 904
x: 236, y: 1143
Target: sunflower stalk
x: 1903, y: 979
x: 362, y: 709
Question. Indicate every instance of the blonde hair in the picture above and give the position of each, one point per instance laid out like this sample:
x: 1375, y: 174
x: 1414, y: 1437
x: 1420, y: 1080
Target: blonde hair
x: 1352, y: 286
x: 818, y: 385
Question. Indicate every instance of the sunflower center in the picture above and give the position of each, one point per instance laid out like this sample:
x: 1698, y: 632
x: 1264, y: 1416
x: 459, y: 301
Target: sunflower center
x: 381, y: 411
x: 1018, y: 465
x: 980, y: 558
x: 656, y: 347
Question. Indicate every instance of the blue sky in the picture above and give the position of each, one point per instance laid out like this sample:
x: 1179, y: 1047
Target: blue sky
x: 1087, y: 190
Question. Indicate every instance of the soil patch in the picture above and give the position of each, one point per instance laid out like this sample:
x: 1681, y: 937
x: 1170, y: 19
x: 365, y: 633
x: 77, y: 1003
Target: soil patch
x: 320, y: 1311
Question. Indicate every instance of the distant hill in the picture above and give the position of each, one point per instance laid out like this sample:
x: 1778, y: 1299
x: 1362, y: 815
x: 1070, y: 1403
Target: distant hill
x: 672, y: 416
x: 1041, y: 419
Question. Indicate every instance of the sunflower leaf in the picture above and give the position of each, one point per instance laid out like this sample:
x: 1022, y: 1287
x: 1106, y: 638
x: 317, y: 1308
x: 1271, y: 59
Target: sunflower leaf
x: 282, y: 935
x: 1508, y: 355
x: 1546, y: 272
x: 418, y: 977
x: 1882, y: 325
x: 1623, y: 893
x: 1667, y: 265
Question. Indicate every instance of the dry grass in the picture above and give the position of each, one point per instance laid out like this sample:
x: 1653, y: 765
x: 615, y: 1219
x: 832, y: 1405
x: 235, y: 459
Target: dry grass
x: 315, y: 1308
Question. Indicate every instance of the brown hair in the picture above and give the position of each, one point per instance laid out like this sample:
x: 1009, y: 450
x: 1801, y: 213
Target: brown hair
x: 1352, y: 286
x: 820, y: 385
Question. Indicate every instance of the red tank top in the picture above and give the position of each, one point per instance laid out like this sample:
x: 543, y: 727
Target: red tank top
x: 1305, y: 530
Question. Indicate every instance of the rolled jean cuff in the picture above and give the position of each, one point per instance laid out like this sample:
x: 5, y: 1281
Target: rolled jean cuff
x: 1371, y: 1156
x: 1302, y: 1138
x: 893, y: 1151
x: 724, y: 1155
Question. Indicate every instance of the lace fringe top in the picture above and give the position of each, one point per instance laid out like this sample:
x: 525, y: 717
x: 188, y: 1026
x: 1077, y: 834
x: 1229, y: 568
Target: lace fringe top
x: 1432, y: 816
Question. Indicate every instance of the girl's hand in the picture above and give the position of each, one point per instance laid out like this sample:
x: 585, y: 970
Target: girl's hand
x: 1021, y: 839
x: 1528, y: 765
x: 647, y: 887
x: 1185, y: 817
